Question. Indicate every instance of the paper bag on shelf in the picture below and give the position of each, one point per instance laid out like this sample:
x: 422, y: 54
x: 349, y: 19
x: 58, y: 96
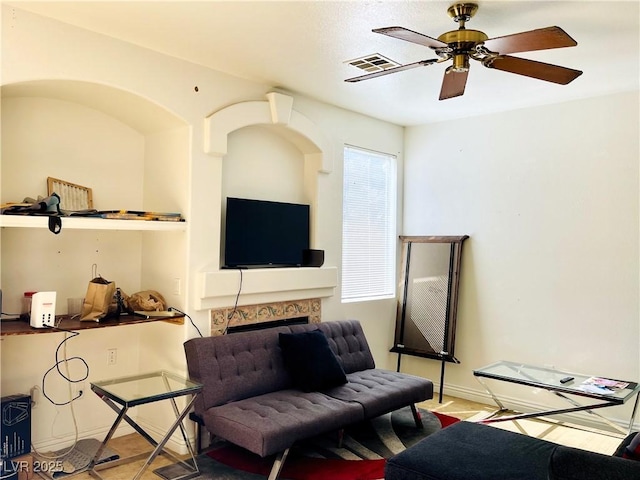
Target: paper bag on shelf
x: 97, y: 299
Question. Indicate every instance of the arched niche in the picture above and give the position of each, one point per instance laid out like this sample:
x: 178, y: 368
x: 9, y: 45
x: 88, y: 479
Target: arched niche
x: 131, y: 151
x: 138, y: 112
x: 277, y: 114
x: 218, y: 288
x: 164, y: 134
x: 276, y: 111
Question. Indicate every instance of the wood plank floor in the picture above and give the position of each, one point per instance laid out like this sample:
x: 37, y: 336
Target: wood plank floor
x: 572, y: 435
x: 580, y: 437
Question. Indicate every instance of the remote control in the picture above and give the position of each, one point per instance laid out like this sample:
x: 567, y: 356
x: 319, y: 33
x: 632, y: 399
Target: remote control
x: 566, y: 379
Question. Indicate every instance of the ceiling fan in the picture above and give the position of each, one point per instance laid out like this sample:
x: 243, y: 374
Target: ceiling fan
x: 462, y: 44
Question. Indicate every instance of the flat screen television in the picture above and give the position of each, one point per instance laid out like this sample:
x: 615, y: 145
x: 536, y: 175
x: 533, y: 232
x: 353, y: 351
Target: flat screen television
x: 260, y: 233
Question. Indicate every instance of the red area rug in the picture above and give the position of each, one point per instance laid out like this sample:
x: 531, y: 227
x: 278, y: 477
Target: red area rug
x: 366, y: 447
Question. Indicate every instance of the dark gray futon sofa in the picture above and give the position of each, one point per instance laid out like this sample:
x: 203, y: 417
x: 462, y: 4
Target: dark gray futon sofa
x: 254, y: 399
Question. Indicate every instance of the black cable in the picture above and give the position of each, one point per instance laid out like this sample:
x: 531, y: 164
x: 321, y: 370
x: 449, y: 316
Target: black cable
x: 56, y: 366
x: 235, y: 305
x: 190, y: 319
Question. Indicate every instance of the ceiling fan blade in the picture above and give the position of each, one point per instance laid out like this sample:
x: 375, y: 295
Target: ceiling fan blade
x: 453, y: 84
x: 410, y: 36
x: 409, y: 66
x: 540, y: 39
x: 533, y: 69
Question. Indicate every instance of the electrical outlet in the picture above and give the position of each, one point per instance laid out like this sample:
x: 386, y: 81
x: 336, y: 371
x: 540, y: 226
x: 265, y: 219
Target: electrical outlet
x: 112, y: 356
x: 177, y: 286
x: 35, y: 395
x: 79, y: 390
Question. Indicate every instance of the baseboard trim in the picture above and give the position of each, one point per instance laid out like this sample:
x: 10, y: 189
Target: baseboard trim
x: 176, y: 443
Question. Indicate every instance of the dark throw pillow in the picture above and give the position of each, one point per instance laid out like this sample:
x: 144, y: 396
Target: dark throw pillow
x: 310, y: 361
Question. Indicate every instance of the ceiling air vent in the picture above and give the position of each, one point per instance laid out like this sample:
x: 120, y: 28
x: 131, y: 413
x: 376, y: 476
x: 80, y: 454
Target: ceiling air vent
x: 373, y: 63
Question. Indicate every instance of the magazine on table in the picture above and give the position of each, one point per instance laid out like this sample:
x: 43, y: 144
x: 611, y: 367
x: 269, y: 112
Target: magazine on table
x: 602, y: 386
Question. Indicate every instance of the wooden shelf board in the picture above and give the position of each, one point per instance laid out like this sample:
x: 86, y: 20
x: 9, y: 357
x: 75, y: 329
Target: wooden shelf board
x: 84, y: 223
x: 21, y: 327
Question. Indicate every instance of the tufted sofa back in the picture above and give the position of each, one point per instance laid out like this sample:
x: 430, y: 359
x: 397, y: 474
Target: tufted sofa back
x: 347, y: 341
x: 242, y: 365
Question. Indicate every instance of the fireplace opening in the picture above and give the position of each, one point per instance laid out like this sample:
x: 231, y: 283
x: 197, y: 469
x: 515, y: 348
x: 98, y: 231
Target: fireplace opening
x: 271, y: 324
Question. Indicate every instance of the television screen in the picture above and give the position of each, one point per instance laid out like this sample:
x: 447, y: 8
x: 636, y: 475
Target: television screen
x: 262, y: 233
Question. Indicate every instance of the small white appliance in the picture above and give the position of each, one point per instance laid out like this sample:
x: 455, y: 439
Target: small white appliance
x: 43, y: 309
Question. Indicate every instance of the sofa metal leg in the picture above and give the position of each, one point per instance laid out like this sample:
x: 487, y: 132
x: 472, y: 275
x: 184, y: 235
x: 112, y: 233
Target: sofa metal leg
x: 199, y: 424
x: 277, y: 464
x: 416, y: 416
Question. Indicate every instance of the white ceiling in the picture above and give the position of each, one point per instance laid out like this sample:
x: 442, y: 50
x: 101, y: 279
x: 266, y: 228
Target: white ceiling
x: 301, y: 46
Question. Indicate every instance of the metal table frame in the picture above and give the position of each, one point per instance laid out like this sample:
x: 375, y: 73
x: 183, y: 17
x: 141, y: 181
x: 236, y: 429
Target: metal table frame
x: 558, y: 389
x: 122, y: 403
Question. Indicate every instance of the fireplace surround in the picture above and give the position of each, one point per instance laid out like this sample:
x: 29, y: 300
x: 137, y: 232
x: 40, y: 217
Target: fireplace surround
x: 225, y: 318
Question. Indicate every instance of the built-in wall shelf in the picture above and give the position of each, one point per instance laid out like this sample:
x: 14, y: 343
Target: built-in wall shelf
x: 84, y: 223
x: 221, y: 288
x: 21, y: 327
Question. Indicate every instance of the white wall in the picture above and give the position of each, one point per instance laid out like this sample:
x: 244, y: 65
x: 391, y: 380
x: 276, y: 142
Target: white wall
x: 276, y: 167
x: 26, y: 359
x: 35, y: 48
x: 344, y: 127
x: 549, y: 197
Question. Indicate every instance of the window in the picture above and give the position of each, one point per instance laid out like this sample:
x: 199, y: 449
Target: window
x: 368, y: 225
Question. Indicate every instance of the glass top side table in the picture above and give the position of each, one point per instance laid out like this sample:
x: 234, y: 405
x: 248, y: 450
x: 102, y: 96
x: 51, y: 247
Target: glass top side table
x: 122, y: 393
x: 604, y: 392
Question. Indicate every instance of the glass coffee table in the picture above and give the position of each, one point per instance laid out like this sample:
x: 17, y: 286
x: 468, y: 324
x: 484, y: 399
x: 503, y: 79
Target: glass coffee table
x: 123, y: 393
x: 601, y: 392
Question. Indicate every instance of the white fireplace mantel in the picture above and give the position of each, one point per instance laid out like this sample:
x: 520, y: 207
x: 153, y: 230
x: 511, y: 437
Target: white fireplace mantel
x: 220, y: 288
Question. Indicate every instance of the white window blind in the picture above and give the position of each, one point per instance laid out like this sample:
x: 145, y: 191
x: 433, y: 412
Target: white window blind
x: 368, y: 225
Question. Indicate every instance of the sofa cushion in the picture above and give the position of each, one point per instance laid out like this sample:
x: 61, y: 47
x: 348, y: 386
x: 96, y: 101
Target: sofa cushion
x: 574, y: 464
x: 270, y: 423
x: 381, y: 391
x: 468, y: 450
x: 310, y: 361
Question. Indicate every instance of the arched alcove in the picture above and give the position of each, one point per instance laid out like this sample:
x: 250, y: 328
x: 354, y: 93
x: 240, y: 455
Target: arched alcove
x: 160, y: 162
x: 130, y: 151
x: 138, y: 112
x: 276, y: 111
x: 134, y: 154
x: 278, y: 115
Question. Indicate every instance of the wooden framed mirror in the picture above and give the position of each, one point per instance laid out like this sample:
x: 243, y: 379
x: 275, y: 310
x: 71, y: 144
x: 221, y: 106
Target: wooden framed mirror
x: 427, y: 307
